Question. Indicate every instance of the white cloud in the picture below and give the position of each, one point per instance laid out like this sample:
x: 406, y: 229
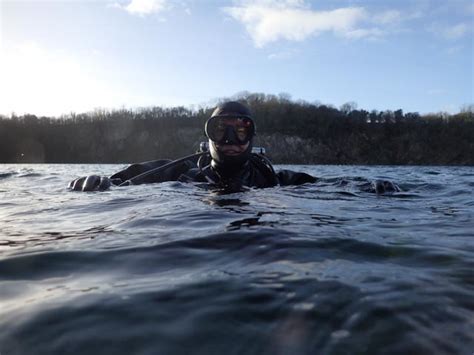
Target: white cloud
x: 452, y: 32
x: 369, y: 33
x: 456, y: 31
x: 388, y: 17
x: 144, y: 7
x: 269, y: 21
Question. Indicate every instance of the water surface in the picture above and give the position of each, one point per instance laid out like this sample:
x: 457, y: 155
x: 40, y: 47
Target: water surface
x: 324, y: 268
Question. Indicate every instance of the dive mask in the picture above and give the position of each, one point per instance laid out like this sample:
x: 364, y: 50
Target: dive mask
x: 230, y: 130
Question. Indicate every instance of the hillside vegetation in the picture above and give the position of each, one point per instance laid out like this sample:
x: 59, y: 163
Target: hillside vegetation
x: 292, y: 132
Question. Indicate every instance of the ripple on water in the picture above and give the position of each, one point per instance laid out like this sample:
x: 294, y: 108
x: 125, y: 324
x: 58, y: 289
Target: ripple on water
x: 320, y: 268
x: 7, y: 175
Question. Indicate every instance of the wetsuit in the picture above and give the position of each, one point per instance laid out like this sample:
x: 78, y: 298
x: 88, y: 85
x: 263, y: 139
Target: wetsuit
x: 257, y: 172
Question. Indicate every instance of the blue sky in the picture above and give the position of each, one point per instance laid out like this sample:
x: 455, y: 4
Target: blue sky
x: 74, y: 56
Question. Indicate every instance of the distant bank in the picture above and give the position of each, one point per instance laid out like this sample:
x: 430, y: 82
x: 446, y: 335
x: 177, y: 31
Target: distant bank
x: 292, y: 133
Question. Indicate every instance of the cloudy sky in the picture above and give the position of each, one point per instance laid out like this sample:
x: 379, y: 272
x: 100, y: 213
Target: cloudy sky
x: 62, y: 56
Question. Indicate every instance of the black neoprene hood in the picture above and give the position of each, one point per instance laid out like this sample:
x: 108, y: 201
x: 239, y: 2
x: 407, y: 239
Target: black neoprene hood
x: 232, y: 109
x: 230, y: 165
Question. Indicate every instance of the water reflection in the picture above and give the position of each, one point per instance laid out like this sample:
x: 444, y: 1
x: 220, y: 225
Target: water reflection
x: 226, y: 202
x: 324, y: 268
x: 246, y: 222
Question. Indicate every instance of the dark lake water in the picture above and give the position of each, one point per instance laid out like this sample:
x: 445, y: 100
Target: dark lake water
x: 324, y: 268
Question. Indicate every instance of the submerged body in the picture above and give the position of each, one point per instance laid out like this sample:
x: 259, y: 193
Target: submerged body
x: 256, y: 172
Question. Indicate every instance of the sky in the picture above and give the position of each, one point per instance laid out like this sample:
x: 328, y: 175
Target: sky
x: 58, y: 57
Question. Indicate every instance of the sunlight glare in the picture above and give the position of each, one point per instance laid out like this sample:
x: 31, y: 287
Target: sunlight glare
x: 48, y: 82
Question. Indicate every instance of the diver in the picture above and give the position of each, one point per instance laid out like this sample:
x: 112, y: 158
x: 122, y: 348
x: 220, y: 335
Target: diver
x: 227, y: 161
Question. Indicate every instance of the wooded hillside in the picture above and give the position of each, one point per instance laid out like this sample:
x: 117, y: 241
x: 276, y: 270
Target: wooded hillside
x: 292, y: 132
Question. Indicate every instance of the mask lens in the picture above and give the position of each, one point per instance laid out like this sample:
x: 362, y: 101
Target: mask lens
x: 218, y: 129
x: 244, y: 129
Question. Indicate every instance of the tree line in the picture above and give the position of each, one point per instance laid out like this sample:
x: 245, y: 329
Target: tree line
x: 293, y: 132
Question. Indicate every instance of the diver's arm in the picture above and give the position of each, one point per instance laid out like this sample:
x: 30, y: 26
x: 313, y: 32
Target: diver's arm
x: 139, y: 168
x: 91, y: 183
x: 288, y: 177
x: 101, y: 183
x: 380, y: 187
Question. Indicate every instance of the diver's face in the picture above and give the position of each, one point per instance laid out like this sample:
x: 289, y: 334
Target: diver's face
x: 236, y: 131
x: 232, y: 149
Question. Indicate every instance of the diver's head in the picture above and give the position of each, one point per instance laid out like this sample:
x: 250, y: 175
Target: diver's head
x: 230, y: 131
